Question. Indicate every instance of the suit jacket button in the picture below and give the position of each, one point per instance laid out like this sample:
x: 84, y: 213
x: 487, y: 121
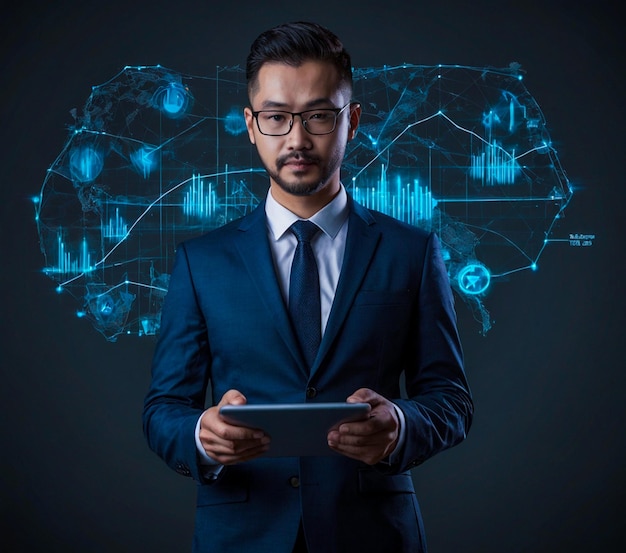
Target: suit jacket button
x: 311, y: 392
x: 294, y: 482
x: 182, y: 469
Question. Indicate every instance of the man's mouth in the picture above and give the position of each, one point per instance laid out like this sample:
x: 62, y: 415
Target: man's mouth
x: 297, y: 161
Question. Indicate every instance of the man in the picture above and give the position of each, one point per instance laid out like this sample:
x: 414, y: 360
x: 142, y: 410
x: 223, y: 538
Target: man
x: 385, y: 309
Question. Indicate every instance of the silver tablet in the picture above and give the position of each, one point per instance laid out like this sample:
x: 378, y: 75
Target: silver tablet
x: 296, y: 429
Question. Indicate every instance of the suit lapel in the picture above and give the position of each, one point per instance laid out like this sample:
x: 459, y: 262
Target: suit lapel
x: 361, y: 241
x: 254, y: 249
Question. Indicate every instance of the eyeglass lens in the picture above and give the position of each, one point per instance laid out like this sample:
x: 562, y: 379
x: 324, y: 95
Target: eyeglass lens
x: 319, y: 121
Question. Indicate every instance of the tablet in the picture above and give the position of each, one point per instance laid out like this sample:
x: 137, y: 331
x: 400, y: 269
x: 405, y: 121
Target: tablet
x: 296, y: 429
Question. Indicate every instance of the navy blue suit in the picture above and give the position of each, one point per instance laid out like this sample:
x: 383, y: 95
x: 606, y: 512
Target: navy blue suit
x: 224, y: 324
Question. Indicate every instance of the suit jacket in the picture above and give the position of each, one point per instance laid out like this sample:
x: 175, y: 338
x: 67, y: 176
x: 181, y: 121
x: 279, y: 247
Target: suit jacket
x: 224, y: 325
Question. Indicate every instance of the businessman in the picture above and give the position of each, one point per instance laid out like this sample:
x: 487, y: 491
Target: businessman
x: 309, y: 298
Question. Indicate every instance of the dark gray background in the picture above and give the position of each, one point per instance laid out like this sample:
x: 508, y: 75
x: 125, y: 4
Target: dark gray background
x: 543, y: 468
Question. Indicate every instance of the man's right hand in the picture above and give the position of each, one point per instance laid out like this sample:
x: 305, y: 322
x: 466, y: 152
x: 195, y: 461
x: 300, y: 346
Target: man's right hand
x: 228, y: 443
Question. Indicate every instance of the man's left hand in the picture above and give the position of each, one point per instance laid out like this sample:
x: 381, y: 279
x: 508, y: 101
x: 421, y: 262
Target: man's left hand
x: 372, y: 439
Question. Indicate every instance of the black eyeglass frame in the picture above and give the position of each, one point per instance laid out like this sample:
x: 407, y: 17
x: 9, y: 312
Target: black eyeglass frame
x: 336, y: 111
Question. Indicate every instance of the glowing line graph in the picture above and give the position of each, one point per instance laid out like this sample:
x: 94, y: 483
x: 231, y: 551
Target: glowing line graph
x: 145, y: 212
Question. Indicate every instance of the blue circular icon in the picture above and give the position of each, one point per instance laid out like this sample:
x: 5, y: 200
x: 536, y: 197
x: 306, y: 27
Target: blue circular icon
x: 474, y: 279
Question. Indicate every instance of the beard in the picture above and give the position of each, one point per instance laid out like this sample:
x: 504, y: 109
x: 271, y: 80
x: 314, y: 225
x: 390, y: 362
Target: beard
x: 303, y: 186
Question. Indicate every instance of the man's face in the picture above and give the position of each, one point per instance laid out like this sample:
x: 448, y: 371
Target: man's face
x: 299, y: 163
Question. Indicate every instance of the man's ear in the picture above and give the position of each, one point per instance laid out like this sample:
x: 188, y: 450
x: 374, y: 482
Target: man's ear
x: 355, y: 117
x: 247, y: 113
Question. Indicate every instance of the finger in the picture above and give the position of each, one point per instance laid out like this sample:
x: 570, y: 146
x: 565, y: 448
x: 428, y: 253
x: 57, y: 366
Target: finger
x: 232, y: 397
x: 376, y: 422
x: 366, y: 426
x: 233, y: 450
x: 364, y: 395
x: 360, y: 440
x: 228, y: 458
x: 238, y: 447
x: 219, y: 438
x: 222, y: 430
x: 369, y: 449
x: 227, y: 431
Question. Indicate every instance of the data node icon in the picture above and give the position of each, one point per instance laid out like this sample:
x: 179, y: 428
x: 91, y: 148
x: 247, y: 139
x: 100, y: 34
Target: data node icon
x: 85, y: 164
x: 173, y: 99
x: 474, y: 279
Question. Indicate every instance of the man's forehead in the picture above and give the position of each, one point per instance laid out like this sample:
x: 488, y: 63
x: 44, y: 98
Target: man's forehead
x: 274, y: 77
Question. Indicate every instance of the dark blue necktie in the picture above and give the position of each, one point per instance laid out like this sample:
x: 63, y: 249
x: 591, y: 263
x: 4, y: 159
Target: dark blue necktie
x: 304, y: 291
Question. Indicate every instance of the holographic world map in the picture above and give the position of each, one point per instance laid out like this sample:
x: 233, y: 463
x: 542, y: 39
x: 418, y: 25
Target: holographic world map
x: 155, y: 157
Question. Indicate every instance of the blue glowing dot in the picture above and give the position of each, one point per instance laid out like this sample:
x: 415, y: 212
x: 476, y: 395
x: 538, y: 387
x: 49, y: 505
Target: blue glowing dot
x: 86, y: 163
x: 59, y: 289
x: 474, y: 279
x: 534, y: 266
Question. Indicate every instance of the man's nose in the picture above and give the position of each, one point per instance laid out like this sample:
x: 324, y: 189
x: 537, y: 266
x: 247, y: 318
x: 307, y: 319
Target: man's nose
x: 298, y: 133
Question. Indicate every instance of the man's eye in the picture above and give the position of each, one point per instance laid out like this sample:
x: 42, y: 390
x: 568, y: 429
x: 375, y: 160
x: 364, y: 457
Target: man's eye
x: 275, y: 117
x: 319, y: 115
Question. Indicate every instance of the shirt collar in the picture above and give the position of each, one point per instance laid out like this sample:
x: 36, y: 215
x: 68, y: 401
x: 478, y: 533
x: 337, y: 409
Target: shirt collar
x: 330, y: 218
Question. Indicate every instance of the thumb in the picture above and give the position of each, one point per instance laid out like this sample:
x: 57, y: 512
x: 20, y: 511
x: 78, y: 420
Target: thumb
x: 233, y: 397
x: 363, y: 395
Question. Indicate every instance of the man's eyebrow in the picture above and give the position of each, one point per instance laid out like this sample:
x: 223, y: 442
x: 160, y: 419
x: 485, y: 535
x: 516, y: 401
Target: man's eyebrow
x: 319, y: 102
x: 272, y: 104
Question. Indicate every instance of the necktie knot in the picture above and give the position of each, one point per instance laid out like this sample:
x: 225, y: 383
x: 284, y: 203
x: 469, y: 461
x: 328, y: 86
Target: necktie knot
x: 304, y: 230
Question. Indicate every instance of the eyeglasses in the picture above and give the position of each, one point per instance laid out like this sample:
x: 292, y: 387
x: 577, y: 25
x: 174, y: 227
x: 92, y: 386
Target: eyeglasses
x: 273, y: 122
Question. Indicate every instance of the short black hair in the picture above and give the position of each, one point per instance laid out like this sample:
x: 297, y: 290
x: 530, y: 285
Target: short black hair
x: 293, y: 44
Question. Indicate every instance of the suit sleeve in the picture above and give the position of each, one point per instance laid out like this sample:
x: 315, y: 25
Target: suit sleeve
x: 180, y: 373
x: 439, y: 408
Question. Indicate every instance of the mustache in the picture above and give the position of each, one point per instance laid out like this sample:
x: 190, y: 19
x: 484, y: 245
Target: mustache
x: 296, y: 156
